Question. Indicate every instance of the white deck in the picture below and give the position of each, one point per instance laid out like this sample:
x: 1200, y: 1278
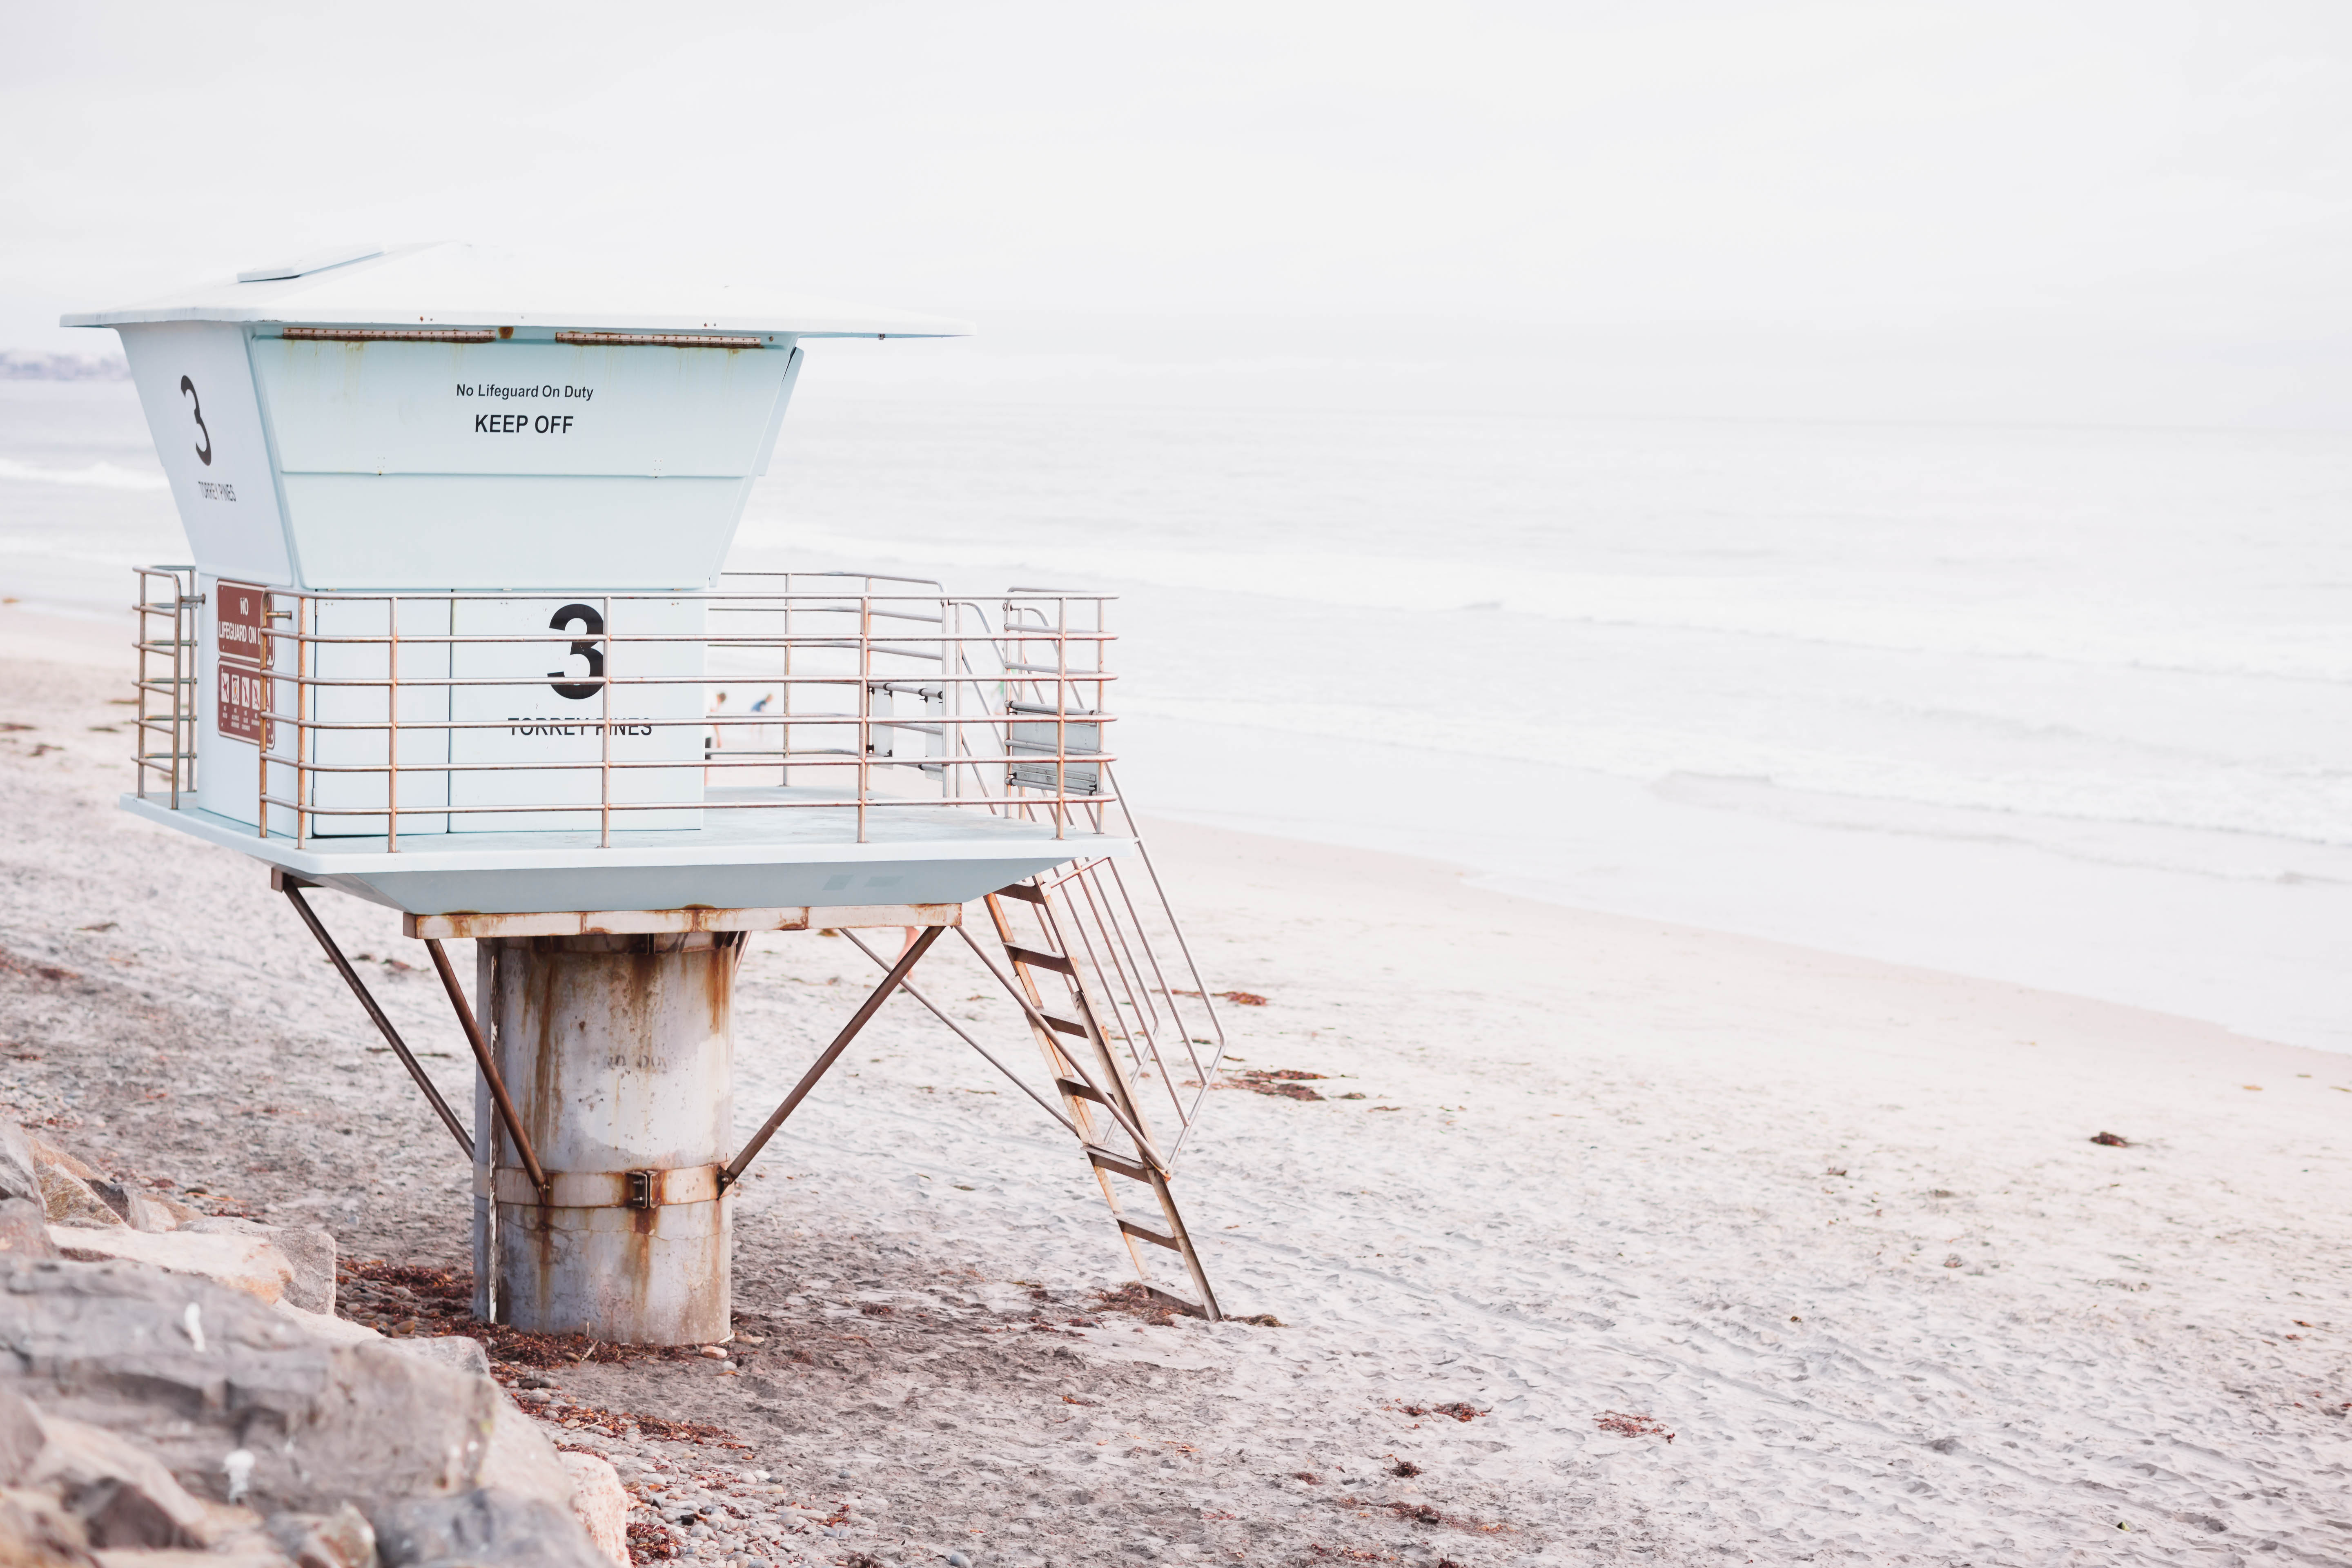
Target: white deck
x: 740, y: 858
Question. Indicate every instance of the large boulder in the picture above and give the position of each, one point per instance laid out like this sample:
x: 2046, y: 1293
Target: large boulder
x: 69, y: 1200
x: 342, y: 1539
x: 143, y: 1210
x: 309, y: 1250
x: 456, y: 1351
x: 478, y: 1527
x: 230, y: 1395
x: 117, y: 1497
x: 123, y: 1497
x: 20, y: 1174
x: 36, y: 1532
x: 63, y: 1185
x: 601, y: 1503
x: 24, y: 1229
x: 247, y: 1263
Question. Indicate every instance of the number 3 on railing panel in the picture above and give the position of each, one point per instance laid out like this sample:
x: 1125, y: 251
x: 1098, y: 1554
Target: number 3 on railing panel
x: 814, y: 696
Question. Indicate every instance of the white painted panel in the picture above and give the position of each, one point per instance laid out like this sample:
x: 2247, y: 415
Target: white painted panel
x: 776, y: 415
x: 500, y: 532
x: 419, y: 743
x: 195, y: 386
x: 517, y: 408
x: 554, y: 710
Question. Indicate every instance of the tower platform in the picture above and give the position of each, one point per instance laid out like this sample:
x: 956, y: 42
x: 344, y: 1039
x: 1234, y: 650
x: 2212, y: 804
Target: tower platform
x: 779, y: 847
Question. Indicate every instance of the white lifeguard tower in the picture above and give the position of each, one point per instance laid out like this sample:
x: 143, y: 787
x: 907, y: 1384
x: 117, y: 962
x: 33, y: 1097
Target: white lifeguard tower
x: 450, y: 640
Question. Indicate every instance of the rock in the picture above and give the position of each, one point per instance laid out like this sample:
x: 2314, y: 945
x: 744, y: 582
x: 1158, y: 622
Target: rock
x: 36, y: 1532
x: 255, y: 1551
x: 519, y: 1459
x: 137, y: 1209
x: 252, y: 1548
x: 19, y: 1167
x: 342, y: 1539
x: 47, y: 1153
x: 122, y: 1495
x: 333, y: 1329
x: 599, y: 1504
x: 24, y: 1229
x: 196, y: 1371
x: 21, y: 1439
x: 453, y: 1351
x: 246, y: 1263
x: 68, y: 1200
x: 484, y: 1526
x: 311, y: 1250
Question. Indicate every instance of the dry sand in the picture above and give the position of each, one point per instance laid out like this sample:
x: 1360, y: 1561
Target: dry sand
x: 1837, y: 1226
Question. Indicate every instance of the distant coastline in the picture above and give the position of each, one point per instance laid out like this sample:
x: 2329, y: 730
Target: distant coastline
x: 41, y: 365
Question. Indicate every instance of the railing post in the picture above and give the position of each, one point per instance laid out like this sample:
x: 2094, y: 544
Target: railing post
x: 605, y: 763
x: 269, y: 695
x: 187, y: 611
x: 304, y: 708
x: 1061, y: 717
x: 952, y: 711
x: 865, y: 706
x: 784, y: 705
x: 392, y: 731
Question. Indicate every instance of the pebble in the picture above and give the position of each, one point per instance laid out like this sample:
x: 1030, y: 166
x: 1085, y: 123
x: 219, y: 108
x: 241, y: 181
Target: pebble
x: 958, y: 1560
x: 714, y: 1353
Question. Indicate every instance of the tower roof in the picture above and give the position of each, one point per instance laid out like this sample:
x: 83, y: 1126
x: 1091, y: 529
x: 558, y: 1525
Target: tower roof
x: 446, y: 283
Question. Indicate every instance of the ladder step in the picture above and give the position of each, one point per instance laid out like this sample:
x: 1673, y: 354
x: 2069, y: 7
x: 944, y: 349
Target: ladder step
x: 1064, y: 1026
x: 1169, y: 1299
x: 1118, y: 1164
x: 1145, y: 1233
x: 1041, y: 960
x: 1021, y: 891
x: 1078, y: 1090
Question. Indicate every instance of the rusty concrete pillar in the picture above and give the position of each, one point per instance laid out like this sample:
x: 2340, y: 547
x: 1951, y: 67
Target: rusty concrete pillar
x: 618, y: 1051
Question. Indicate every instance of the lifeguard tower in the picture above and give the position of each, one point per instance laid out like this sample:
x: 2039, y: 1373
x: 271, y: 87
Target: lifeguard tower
x: 450, y: 640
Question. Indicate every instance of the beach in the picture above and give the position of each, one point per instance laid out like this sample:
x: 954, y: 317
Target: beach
x: 1721, y: 1249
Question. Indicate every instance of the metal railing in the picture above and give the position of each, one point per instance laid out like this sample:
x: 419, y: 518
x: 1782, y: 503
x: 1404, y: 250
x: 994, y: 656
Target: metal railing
x: 1143, y: 987
x: 392, y: 715
x: 166, y: 729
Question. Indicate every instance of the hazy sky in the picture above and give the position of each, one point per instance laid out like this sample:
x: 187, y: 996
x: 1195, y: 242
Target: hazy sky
x: 2111, y: 204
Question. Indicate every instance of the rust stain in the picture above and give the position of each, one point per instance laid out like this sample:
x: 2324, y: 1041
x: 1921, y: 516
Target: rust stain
x: 630, y: 993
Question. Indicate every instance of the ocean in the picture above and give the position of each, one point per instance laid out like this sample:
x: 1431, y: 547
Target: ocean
x: 2069, y: 706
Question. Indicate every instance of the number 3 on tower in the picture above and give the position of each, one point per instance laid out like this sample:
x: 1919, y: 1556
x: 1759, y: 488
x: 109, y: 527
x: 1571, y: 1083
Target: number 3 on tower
x: 196, y: 405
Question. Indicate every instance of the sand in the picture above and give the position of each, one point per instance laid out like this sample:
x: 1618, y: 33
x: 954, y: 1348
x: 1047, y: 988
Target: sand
x: 1839, y: 1227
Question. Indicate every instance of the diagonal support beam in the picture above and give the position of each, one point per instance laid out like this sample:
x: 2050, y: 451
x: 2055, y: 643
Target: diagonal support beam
x: 292, y: 887
x: 498, y: 1096
x: 986, y: 1056
x: 858, y: 1020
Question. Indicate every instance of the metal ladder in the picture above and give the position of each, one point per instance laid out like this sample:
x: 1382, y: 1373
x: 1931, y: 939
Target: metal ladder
x: 1099, y: 1009
x: 1092, y: 944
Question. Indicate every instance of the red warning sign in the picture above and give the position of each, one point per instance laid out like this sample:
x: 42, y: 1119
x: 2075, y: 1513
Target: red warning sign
x: 242, y: 695
x: 241, y: 612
